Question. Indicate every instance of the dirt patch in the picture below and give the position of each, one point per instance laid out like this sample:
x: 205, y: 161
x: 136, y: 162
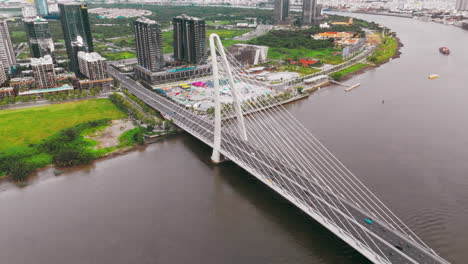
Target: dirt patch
x: 109, y: 137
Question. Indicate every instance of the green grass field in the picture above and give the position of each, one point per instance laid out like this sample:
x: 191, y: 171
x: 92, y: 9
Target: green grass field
x: 299, y: 69
x: 227, y: 34
x: 326, y: 55
x: 20, y: 127
x: 119, y: 55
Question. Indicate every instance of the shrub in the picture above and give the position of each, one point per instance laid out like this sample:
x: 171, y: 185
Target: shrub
x: 20, y: 170
x: 72, y: 157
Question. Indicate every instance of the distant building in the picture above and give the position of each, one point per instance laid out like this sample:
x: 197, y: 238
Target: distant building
x: 23, y: 83
x: 461, y: 5
x: 7, y: 53
x: 6, y: 92
x: 3, y: 77
x: 92, y: 65
x: 189, y: 39
x: 281, y: 12
x: 324, y: 25
x: 42, y: 92
x: 42, y: 7
x: 465, y: 25
x: 311, y: 12
x: 349, y: 23
x: 249, y: 55
x: 76, y: 30
x: 149, y: 44
x: 29, y: 11
x: 332, y: 35
x: 40, y: 39
x: 44, y: 72
x: 172, y: 75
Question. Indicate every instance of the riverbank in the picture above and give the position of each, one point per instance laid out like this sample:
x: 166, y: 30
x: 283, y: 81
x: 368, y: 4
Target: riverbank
x: 66, y: 135
x: 386, y: 52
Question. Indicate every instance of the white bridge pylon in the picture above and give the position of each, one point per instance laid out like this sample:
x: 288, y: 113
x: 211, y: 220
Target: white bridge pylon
x: 216, y: 41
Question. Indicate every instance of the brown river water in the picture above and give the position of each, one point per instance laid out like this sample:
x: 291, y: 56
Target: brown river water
x: 169, y: 204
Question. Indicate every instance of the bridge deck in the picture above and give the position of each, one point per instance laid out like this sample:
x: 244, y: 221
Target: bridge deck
x: 290, y: 183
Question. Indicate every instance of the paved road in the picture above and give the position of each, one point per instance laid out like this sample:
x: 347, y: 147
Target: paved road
x: 258, y: 32
x: 381, y: 238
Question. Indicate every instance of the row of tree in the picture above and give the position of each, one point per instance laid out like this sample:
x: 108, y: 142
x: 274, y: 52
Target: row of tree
x: 127, y: 106
x: 55, y: 96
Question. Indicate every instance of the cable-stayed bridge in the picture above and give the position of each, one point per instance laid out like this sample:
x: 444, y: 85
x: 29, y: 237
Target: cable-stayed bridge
x: 249, y: 126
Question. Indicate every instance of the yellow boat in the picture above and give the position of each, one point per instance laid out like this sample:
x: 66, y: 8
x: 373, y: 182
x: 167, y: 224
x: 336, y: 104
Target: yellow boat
x: 433, y: 76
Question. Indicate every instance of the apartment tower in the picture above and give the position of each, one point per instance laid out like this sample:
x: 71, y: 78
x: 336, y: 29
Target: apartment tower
x: 7, y: 53
x: 311, y: 12
x: 281, y: 12
x: 149, y: 44
x: 44, y: 72
x: 189, y: 39
x: 92, y: 65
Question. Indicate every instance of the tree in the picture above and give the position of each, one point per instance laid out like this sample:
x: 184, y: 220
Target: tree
x: 300, y: 89
x: 19, y: 170
x: 70, y: 134
x: 139, y: 139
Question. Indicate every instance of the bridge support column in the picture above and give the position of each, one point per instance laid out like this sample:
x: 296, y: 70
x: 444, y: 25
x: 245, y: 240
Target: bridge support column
x: 215, y: 40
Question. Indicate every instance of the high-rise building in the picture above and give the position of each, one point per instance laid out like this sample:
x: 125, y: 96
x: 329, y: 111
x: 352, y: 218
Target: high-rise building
x: 7, y: 53
x: 281, y: 11
x: 44, y: 72
x: 92, y: 65
x: 189, y: 39
x: 40, y: 39
x: 311, y: 12
x: 461, y: 5
x: 149, y: 44
x: 76, y: 30
x: 42, y: 7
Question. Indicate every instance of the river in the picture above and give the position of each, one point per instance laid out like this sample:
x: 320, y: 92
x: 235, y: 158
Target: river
x: 169, y: 204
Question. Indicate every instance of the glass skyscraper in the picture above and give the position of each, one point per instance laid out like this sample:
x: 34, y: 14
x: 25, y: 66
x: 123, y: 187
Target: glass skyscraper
x: 42, y: 7
x: 40, y: 39
x: 76, y: 30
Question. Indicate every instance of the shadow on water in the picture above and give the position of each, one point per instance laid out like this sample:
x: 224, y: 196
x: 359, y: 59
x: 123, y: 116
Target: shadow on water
x: 302, y: 228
